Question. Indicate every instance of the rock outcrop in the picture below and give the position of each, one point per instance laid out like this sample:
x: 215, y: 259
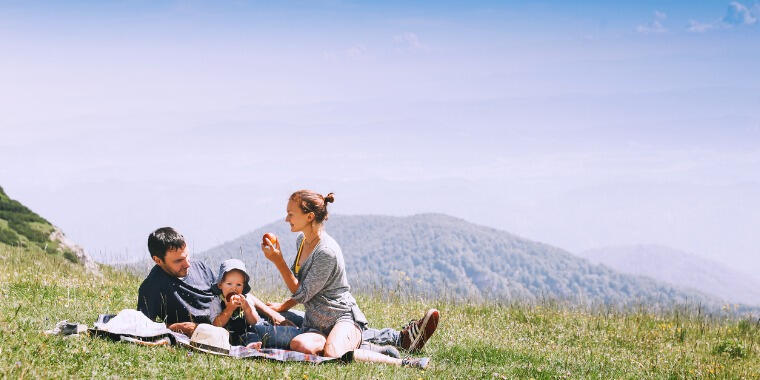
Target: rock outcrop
x: 82, y: 257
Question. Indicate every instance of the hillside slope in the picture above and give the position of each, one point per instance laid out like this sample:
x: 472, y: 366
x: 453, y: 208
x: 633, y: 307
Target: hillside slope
x: 21, y: 227
x: 434, y: 254
x: 680, y: 269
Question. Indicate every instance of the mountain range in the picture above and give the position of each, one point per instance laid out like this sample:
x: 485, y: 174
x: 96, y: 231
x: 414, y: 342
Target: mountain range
x: 439, y: 255
x: 681, y: 269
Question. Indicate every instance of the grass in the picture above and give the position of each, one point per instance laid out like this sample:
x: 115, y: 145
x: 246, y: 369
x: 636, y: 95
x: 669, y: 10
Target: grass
x: 543, y: 341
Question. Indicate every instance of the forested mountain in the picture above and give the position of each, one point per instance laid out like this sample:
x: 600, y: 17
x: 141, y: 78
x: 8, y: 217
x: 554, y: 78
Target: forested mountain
x: 21, y: 227
x: 434, y: 254
x: 681, y: 269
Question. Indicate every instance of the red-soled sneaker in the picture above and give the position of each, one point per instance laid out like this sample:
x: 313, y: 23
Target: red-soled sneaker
x: 415, y: 334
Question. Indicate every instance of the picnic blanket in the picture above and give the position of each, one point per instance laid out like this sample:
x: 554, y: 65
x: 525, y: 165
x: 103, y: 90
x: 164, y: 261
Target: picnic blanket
x: 134, y: 327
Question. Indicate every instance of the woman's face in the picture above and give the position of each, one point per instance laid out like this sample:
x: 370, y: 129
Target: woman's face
x: 297, y: 219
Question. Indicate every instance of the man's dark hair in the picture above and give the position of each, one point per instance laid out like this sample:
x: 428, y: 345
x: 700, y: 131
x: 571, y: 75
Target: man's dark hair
x: 164, y: 239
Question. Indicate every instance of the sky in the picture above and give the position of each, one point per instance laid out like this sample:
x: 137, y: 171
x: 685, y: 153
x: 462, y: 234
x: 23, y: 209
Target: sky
x: 581, y: 125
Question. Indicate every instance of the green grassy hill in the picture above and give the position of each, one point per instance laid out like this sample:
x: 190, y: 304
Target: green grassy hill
x: 20, y: 226
x: 483, y: 340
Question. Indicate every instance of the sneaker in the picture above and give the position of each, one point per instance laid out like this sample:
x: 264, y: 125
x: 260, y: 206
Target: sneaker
x: 416, y: 333
x: 421, y: 363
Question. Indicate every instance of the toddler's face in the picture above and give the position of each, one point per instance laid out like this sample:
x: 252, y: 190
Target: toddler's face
x: 233, y: 282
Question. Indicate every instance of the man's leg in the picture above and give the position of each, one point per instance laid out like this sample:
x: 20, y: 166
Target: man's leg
x: 295, y: 316
x: 276, y: 336
x: 411, y: 338
x: 382, y: 337
x: 416, y: 333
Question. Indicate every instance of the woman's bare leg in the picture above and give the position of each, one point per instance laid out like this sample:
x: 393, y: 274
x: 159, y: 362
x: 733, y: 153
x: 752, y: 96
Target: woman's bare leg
x: 375, y: 357
x: 344, y: 337
x: 308, y: 343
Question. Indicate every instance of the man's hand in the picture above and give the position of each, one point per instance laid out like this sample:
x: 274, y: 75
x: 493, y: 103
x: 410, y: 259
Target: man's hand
x: 186, y: 328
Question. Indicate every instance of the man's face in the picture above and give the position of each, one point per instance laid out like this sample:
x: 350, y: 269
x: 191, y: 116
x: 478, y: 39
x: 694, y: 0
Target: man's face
x: 175, y: 263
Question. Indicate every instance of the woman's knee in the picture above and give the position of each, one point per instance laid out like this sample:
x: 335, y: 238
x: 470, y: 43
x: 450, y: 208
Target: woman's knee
x: 313, y: 345
x: 344, y: 337
x: 334, y: 351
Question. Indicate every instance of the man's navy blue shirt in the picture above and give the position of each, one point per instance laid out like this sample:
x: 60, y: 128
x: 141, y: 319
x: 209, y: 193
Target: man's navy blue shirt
x: 170, y: 299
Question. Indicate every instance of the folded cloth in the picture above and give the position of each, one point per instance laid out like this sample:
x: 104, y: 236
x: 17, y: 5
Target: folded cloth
x: 130, y: 322
x: 133, y: 326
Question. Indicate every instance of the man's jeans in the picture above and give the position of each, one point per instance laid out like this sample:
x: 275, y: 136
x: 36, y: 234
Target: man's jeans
x: 273, y: 336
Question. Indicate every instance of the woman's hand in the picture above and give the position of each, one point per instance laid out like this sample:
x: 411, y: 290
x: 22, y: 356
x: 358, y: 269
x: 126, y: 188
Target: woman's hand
x: 272, y: 250
x: 276, y: 306
x: 279, y: 320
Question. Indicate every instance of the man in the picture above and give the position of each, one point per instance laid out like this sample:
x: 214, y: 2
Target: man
x: 177, y: 291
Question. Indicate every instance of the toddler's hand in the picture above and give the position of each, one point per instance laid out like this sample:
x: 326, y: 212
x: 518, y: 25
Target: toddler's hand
x: 235, y: 302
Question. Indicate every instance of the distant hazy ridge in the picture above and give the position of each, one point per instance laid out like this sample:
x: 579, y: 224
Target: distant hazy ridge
x: 680, y: 269
x: 435, y: 254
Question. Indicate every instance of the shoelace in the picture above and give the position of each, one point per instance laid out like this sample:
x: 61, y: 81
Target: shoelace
x: 413, y: 328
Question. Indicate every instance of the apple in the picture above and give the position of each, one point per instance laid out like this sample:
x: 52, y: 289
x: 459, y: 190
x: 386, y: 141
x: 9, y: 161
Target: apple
x: 229, y: 296
x: 272, y: 238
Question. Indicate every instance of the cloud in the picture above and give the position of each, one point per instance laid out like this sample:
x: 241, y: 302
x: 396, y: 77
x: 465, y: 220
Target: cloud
x: 409, y: 41
x: 655, y: 26
x: 700, y: 27
x: 356, y: 51
x: 739, y: 14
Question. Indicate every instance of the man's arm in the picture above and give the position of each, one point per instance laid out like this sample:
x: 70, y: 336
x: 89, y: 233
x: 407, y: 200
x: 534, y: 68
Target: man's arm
x: 149, y: 302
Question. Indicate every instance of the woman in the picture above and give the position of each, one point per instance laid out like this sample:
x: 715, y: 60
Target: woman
x: 333, y: 322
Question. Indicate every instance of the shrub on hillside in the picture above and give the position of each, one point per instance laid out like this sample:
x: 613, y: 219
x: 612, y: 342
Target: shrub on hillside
x: 23, y: 228
x: 68, y: 255
x: 9, y: 237
x: 732, y: 348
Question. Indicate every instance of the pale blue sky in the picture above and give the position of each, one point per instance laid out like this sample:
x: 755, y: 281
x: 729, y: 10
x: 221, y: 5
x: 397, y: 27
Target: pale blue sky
x: 577, y: 124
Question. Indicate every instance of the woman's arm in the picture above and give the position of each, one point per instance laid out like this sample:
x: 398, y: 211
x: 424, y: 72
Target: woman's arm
x: 284, y: 306
x: 276, y: 317
x: 314, y: 279
x: 274, y: 254
x: 290, y: 279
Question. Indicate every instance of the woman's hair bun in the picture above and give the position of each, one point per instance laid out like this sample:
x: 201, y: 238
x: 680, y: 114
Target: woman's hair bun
x: 330, y: 198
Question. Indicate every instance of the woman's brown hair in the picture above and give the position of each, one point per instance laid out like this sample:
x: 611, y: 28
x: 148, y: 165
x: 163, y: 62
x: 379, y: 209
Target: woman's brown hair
x: 311, y: 201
